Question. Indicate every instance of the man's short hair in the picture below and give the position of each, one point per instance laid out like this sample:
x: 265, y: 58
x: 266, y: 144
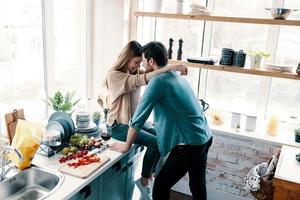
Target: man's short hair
x: 157, y: 51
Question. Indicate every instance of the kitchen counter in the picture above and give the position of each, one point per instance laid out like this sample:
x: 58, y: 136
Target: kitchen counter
x: 72, y: 185
x: 287, y: 176
x: 288, y: 167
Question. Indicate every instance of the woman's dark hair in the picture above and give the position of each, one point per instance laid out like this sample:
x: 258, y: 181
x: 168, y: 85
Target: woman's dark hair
x: 157, y: 51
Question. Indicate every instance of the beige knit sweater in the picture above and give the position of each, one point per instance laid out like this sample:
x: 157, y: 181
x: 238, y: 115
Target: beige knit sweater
x: 124, y: 91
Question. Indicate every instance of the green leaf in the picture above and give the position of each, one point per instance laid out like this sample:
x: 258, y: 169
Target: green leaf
x: 60, y: 102
x: 66, y: 106
x: 76, y: 102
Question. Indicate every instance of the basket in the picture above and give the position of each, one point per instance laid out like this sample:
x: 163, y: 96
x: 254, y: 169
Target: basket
x: 266, y: 188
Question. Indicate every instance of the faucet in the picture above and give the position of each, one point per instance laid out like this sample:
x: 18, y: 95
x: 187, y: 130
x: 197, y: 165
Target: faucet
x: 4, y: 151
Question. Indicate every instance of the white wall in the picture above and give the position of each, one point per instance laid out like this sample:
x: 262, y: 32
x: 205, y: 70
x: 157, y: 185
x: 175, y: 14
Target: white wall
x: 108, y: 25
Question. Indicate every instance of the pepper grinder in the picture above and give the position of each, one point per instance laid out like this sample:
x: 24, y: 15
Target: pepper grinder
x: 179, y: 53
x: 170, y: 51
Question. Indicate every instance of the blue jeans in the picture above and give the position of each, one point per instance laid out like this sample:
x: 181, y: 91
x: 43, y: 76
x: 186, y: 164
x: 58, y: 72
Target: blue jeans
x: 146, y: 137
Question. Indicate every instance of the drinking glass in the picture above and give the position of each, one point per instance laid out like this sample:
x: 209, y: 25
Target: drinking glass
x: 106, y: 133
x: 54, y: 140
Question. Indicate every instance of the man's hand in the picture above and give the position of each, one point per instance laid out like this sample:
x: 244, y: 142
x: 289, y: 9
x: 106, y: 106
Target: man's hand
x: 180, y: 67
x: 119, y: 146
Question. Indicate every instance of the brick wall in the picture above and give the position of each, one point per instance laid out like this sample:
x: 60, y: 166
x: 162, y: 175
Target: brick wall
x: 229, y: 160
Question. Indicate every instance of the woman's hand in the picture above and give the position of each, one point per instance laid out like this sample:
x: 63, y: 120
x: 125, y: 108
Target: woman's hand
x: 119, y: 147
x: 180, y: 67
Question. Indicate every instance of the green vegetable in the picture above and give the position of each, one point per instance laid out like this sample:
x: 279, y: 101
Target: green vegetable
x: 84, y: 141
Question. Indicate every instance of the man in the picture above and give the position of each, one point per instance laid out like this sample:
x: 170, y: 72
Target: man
x: 180, y: 124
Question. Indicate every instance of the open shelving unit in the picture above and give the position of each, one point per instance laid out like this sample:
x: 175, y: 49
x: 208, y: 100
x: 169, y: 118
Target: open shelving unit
x: 221, y: 18
x: 264, y: 21
x: 241, y: 70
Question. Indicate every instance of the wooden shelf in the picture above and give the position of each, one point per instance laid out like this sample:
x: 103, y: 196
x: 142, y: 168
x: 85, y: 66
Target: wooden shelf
x: 221, y: 18
x: 264, y: 72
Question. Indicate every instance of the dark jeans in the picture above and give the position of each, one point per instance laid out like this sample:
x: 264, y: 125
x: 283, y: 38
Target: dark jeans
x: 146, y: 137
x: 183, y: 159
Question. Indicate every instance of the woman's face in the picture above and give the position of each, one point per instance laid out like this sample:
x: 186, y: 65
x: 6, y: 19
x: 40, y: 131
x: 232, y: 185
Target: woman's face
x: 134, y: 64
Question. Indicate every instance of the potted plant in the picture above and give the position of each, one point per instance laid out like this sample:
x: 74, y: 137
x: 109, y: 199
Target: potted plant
x: 62, y: 103
x: 96, y: 117
x: 256, y: 58
x: 297, y: 134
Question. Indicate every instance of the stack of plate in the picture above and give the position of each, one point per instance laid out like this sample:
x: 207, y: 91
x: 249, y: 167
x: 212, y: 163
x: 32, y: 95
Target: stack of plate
x: 282, y: 68
x: 62, y: 122
x: 91, y: 130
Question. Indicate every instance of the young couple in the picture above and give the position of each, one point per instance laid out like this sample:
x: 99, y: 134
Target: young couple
x: 180, y: 129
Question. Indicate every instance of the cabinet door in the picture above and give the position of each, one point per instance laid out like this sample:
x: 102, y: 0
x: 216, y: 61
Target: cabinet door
x: 112, y: 182
x: 130, y: 170
x: 89, y: 192
x: 114, y: 190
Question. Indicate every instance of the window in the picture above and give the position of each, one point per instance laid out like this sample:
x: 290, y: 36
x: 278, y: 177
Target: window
x: 24, y: 80
x: 285, y: 94
x: 21, y: 57
x: 69, y: 46
x: 231, y: 92
x: 247, y: 94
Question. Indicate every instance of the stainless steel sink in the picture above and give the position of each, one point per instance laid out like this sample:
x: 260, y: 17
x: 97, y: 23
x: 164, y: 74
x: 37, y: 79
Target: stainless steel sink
x: 33, y: 183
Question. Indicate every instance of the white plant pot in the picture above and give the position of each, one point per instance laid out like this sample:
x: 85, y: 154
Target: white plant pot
x: 235, y: 120
x: 256, y: 62
x: 250, y: 123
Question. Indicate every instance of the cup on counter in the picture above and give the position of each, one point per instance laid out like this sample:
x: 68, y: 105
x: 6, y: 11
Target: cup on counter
x: 250, y: 123
x: 272, y: 126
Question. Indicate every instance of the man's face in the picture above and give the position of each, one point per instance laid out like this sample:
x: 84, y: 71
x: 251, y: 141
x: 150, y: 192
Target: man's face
x: 146, y: 64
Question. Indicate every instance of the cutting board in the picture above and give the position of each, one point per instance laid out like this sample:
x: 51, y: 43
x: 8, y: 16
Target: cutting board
x: 85, y: 170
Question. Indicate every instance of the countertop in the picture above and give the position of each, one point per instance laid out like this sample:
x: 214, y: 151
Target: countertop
x: 288, y: 168
x: 71, y: 185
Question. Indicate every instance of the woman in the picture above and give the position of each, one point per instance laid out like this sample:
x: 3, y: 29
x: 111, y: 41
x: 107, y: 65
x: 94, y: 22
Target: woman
x: 123, y: 82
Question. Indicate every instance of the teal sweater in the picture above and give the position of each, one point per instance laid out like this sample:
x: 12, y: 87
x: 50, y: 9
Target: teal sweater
x: 178, y: 116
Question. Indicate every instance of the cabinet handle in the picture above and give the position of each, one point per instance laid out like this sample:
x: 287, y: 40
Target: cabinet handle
x: 127, y: 166
x: 87, y: 191
x: 130, y: 164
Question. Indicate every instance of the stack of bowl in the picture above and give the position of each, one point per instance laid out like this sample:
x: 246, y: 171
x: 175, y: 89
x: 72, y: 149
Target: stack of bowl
x: 83, y: 120
x: 85, y: 126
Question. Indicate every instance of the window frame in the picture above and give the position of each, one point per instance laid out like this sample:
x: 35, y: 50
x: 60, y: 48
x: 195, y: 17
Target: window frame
x: 271, y: 46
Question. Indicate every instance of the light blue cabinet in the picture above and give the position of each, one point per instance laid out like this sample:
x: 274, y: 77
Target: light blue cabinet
x: 116, y: 183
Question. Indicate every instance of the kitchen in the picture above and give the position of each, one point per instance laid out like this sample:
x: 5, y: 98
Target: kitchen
x: 70, y: 45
